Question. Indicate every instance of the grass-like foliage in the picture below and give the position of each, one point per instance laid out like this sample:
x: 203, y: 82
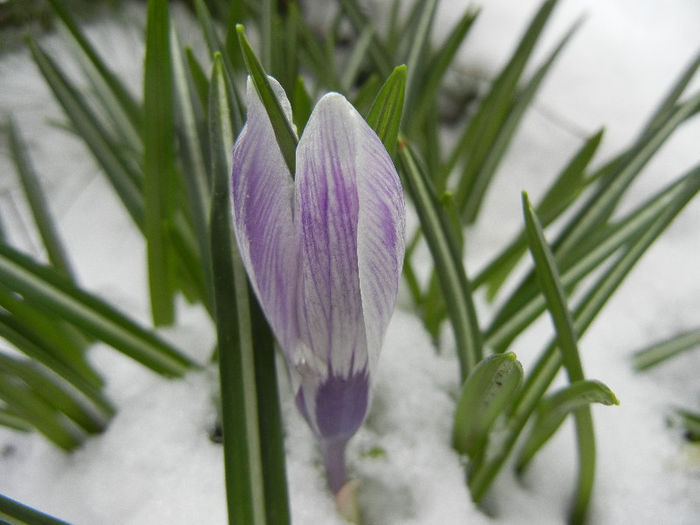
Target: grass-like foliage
x: 167, y: 155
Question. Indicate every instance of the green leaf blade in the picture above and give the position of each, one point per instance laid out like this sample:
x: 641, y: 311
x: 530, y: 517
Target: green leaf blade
x: 37, y: 202
x: 52, y: 292
x: 552, y: 411
x: 548, y: 276
x: 485, y: 394
x: 159, y: 170
x: 660, y: 352
x: 443, y: 244
x: 384, y: 117
x: 242, y: 455
x: 284, y: 133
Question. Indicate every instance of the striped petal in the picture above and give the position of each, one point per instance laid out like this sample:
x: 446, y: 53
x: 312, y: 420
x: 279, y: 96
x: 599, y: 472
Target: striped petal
x: 350, y: 225
x: 263, y: 205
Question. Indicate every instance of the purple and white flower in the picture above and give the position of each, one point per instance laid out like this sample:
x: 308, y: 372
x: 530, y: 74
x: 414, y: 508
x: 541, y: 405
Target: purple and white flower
x: 324, y: 252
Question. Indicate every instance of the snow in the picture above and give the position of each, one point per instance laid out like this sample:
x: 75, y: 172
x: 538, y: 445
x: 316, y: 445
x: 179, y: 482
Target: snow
x: 156, y: 464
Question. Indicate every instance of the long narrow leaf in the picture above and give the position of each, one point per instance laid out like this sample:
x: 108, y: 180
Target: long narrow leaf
x: 37, y: 203
x: 195, y: 175
x: 560, y: 195
x: 384, y: 117
x: 377, y: 52
x: 599, y: 207
x: 126, y: 180
x: 39, y: 414
x: 447, y: 259
x: 526, y: 304
x: 56, y: 394
x: 356, y: 59
x: 10, y: 419
x: 48, y: 332
x: 552, y: 411
x: 15, y: 510
x: 41, y: 352
x: 667, y: 105
x: 270, y: 419
x: 123, y: 99
x: 486, y: 157
x: 548, y: 276
x: 159, y: 170
x: 284, y: 133
x: 549, y: 362
x: 245, y: 491
x: 215, y: 46
x: 50, y: 291
x: 660, y: 352
x: 420, y: 43
x: 439, y: 66
x: 493, y: 110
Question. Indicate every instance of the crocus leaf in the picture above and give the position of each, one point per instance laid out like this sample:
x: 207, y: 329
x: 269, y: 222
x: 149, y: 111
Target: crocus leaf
x: 357, y: 58
x: 302, y: 105
x: 242, y: 456
x: 51, y: 291
x: 484, y: 126
x: 611, y: 189
x: 366, y: 94
x: 526, y: 305
x: 548, y: 277
x: 10, y: 419
x: 484, y: 396
x: 384, y: 116
x: 127, y: 182
x: 439, y: 65
x: 196, y: 178
x: 12, y: 509
x: 552, y: 411
x: 377, y: 51
x: 691, y: 423
x: 666, y: 106
x: 199, y: 78
x: 123, y: 100
x: 585, y: 312
x: 420, y: 41
x: 660, y: 352
x: 443, y: 244
x: 55, y: 393
x: 37, y: 202
x: 279, y: 117
x: 563, y: 192
x: 613, y: 180
x: 45, y: 418
x: 481, y: 167
x: 159, y: 170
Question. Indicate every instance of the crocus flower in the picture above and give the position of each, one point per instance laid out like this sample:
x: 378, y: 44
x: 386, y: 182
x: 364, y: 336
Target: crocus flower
x: 324, y: 252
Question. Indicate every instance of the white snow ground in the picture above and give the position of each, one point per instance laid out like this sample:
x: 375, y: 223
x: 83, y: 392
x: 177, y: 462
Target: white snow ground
x: 156, y: 464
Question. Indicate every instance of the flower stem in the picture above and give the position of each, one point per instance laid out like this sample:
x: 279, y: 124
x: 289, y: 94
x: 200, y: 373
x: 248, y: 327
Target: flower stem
x: 334, y: 461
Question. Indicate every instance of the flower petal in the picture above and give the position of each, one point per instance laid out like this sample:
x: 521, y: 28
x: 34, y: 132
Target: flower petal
x: 263, y: 205
x: 350, y: 220
x: 336, y: 407
x: 380, y: 237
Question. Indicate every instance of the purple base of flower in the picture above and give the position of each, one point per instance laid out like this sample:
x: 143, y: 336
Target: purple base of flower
x: 341, y: 406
